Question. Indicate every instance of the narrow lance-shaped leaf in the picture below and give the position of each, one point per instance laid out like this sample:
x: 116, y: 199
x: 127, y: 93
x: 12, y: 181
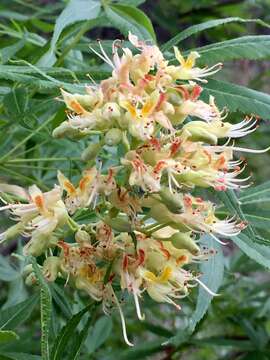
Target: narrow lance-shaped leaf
x: 79, y: 340
x: 255, y: 203
x: 258, y: 252
x: 212, y: 276
x: 204, y: 26
x: 238, y: 98
x: 66, y: 334
x: 245, y: 47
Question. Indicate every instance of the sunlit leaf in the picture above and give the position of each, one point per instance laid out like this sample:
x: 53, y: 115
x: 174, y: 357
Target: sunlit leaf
x: 76, y: 10
x: 127, y: 18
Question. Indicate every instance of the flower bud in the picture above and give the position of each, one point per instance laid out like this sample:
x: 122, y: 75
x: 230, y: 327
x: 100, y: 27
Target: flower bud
x: 168, y: 108
x: 11, y: 232
x: 31, y: 279
x: 199, y: 131
x: 173, y: 201
x: 51, y: 268
x: 113, y: 137
x: 91, y: 152
x: 66, y: 130
x: 118, y: 224
x: 178, y: 117
x: 175, y: 98
x: 38, y: 244
x: 195, y: 178
x: 161, y: 213
x: 72, y: 101
x: 184, y: 241
x: 27, y: 270
x: 82, y: 237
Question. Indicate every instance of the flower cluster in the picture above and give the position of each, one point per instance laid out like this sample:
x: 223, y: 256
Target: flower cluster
x: 145, y: 221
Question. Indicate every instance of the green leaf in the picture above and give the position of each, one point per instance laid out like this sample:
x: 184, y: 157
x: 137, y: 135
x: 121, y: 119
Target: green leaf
x: 245, y: 47
x: 255, y: 195
x: 18, y: 356
x: 66, y: 334
x: 132, y: 2
x: 238, y: 98
x: 7, y: 335
x: 60, y: 298
x: 99, y: 334
x: 45, y: 311
x: 127, y: 18
x: 258, y: 252
x: 219, y: 341
x: 7, y: 272
x: 8, y: 52
x: 16, y: 103
x: 16, y: 292
x: 17, y: 314
x: 79, y: 340
x: 204, y: 26
x: 32, y: 77
x: 76, y: 10
x: 141, y: 351
x: 212, y: 277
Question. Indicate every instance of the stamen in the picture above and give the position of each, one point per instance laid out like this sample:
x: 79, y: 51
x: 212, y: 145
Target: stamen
x: 124, y: 330
x: 138, y: 309
x: 206, y: 288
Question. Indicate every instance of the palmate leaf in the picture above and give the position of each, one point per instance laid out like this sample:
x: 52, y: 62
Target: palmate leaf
x: 128, y: 18
x: 245, y: 47
x: 192, y: 30
x: 238, y: 98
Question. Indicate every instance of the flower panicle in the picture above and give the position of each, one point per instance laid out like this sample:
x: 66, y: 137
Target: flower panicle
x: 143, y: 222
